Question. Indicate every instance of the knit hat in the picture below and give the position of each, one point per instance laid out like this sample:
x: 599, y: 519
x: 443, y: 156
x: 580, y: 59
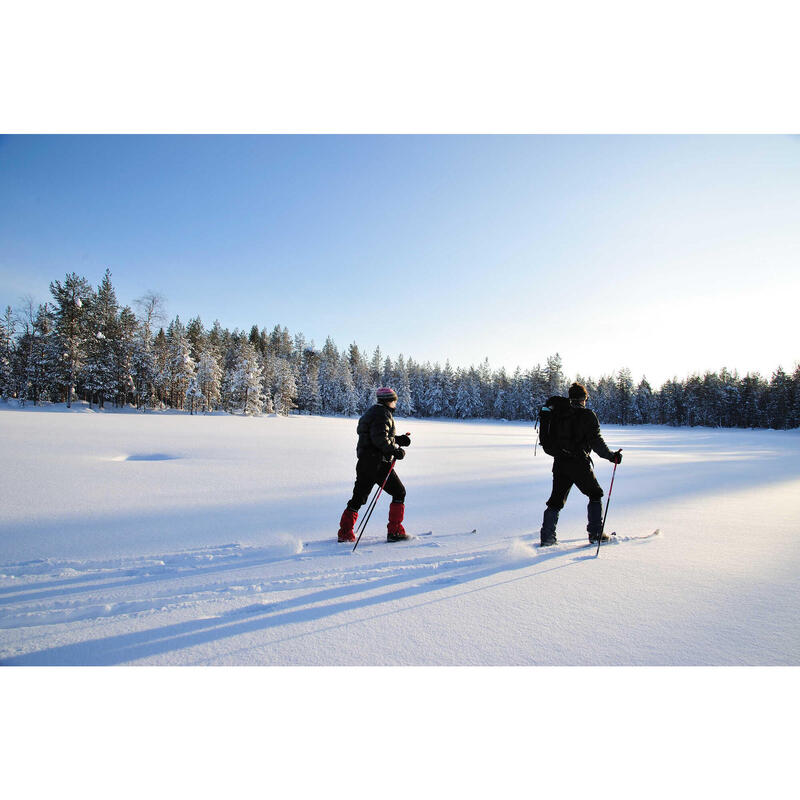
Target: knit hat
x: 578, y: 392
x: 386, y: 395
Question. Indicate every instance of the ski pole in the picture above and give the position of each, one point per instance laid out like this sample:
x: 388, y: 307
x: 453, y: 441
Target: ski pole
x: 605, y: 514
x: 372, y: 507
x: 368, y: 511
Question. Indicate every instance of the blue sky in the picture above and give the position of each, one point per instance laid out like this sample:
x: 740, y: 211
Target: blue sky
x: 665, y: 254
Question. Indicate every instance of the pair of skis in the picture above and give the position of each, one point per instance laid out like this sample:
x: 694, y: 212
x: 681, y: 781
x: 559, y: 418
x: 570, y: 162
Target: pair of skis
x: 572, y: 544
x: 414, y: 536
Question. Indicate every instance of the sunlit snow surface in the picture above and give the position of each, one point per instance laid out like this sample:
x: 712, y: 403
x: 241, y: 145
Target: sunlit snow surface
x: 132, y: 538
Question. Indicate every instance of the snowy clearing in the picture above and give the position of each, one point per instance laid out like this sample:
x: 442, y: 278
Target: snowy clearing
x: 165, y: 539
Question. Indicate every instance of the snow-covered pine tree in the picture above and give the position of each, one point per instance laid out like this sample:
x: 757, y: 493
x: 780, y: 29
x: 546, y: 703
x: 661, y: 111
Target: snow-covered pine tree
x: 624, y: 396
x: 280, y: 342
x: 270, y: 364
x: 501, y: 408
x: 554, y: 375
x: 463, y: 402
x: 71, y: 299
x: 194, y: 395
x: 216, y: 340
x: 162, y: 371
x: 263, y: 342
x: 693, y: 401
x: 376, y: 367
x: 731, y: 401
x: 255, y: 339
x: 752, y: 400
x: 518, y: 406
x: 671, y: 409
x: 389, y: 377
x: 794, y: 412
x: 415, y: 385
x: 539, y: 387
x: 308, y: 398
x: 485, y: 384
x: 448, y: 384
x: 247, y: 382
x: 100, y: 371
x: 605, y: 403
x: 347, y: 401
x: 26, y: 317
x: 433, y: 400
x: 150, y: 308
x: 43, y: 356
x: 362, y: 379
x: 781, y: 400
x: 711, y: 396
x: 298, y: 348
x: 196, y: 334
x: 468, y: 401
x: 181, y: 366
x: 228, y: 350
x: 643, y: 403
x: 7, y: 327
x: 285, y: 388
x: 209, y: 380
x: 327, y: 376
x: 405, y: 404
x: 126, y: 346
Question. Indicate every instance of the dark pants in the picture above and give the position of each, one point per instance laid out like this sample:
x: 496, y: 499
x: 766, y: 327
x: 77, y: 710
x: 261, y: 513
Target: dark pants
x: 370, y: 472
x: 567, y: 472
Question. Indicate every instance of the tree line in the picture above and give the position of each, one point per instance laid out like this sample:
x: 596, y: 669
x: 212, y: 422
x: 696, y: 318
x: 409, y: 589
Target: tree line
x: 81, y: 345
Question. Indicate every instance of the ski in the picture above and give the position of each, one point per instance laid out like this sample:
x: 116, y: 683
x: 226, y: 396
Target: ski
x: 656, y: 532
x: 414, y: 536
x: 580, y: 544
x: 569, y: 544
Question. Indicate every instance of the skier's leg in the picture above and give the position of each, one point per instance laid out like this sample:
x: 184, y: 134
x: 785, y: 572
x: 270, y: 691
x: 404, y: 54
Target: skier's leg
x: 346, y: 525
x: 395, y: 531
x: 365, y: 480
x: 367, y: 475
x: 587, y: 483
x: 562, y: 483
x: 547, y: 533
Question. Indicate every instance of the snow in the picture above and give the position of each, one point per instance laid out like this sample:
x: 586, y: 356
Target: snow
x: 166, y: 539
x: 176, y: 540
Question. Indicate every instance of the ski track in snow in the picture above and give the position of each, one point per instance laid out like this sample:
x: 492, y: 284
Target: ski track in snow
x: 48, y: 592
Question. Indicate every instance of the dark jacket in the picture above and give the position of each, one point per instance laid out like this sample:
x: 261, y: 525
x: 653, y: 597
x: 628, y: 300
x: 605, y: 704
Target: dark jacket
x: 588, y: 433
x: 376, y: 435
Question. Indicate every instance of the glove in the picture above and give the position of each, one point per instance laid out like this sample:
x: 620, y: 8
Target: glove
x: 404, y: 440
x: 400, y: 454
x: 617, y: 457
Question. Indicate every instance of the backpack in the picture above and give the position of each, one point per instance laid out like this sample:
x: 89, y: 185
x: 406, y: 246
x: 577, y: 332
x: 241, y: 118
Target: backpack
x: 558, y: 427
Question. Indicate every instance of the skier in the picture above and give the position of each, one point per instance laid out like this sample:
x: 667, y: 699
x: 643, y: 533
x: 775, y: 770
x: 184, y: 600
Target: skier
x: 573, y: 465
x: 377, y: 446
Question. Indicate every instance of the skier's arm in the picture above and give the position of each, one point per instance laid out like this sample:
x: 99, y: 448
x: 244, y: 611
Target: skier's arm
x: 596, y: 441
x: 379, y: 435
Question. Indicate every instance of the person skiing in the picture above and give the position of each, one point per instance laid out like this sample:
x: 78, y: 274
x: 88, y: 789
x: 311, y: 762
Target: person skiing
x: 377, y: 446
x: 573, y: 465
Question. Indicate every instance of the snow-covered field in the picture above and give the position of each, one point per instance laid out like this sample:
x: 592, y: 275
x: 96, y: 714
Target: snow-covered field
x: 168, y: 539
x: 164, y: 539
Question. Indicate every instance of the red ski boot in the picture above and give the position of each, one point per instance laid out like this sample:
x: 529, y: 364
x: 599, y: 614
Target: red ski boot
x: 346, y: 524
x: 394, y: 530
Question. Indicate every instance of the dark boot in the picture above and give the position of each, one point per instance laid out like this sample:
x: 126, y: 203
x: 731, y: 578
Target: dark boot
x: 346, y: 523
x: 595, y: 526
x: 394, y: 530
x: 548, y: 531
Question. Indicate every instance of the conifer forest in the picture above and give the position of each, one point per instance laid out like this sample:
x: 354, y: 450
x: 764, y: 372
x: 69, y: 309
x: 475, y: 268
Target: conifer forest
x: 82, y: 346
